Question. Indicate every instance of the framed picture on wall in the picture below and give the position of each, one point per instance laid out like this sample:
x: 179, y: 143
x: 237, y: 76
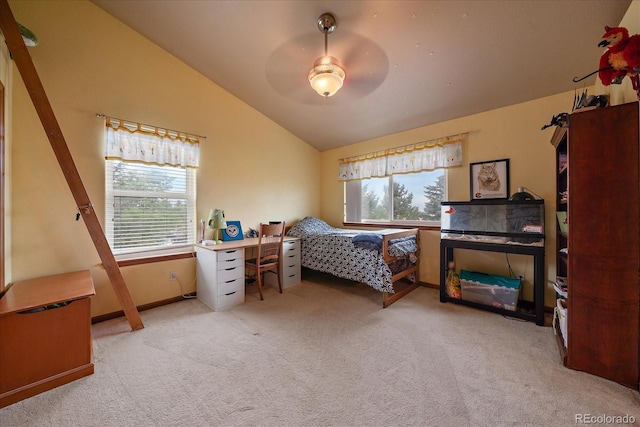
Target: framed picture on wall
x: 489, y: 180
x: 232, y: 232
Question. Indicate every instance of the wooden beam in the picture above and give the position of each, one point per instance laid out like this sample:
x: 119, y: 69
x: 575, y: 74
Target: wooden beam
x: 41, y: 103
x: 2, y: 189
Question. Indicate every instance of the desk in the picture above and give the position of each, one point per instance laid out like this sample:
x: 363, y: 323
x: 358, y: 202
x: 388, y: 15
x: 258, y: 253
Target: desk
x: 220, y: 270
x: 46, y: 334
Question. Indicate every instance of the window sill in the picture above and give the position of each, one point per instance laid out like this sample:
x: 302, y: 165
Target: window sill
x: 390, y: 225
x: 148, y: 259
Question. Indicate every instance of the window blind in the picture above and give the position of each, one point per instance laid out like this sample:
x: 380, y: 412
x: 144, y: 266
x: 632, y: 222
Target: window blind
x: 149, y: 207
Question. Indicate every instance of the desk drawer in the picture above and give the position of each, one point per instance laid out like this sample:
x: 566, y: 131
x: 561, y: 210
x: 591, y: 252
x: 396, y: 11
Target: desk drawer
x: 229, y: 286
x: 230, y: 255
x: 229, y: 259
x: 230, y: 263
x: 230, y: 273
x: 290, y: 268
x: 291, y: 278
x: 290, y: 247
x: 290, y: 259
x: 230, y: 299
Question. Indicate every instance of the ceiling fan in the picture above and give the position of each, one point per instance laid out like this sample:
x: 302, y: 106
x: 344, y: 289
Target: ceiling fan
x: 363, y: 64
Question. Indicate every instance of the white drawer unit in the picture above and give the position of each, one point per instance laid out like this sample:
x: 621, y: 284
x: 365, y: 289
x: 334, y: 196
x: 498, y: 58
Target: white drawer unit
x: 220, y: 277
x: 289, y: 265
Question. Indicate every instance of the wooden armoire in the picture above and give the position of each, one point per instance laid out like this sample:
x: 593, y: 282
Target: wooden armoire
x: 601, y: 178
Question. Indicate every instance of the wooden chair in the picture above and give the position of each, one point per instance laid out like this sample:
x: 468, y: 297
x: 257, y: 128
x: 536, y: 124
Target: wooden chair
x: 269, y: 250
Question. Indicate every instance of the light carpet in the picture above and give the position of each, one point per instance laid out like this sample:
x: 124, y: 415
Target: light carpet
x: 325, y: 353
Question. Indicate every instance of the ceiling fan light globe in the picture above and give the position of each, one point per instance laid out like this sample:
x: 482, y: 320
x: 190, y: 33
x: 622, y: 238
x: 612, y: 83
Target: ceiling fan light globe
x: 326, y: 77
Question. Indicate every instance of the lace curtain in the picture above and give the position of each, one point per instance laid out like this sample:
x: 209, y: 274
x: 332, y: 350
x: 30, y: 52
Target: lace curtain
x: 423, y: 156
x: 136, y: 142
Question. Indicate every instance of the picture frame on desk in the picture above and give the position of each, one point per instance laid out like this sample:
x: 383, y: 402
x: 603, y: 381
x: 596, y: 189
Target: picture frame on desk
x: 232, y: 232
x: 489, y: 180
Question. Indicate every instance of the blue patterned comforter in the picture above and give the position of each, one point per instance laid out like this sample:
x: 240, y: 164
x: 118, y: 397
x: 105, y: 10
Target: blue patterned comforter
x: 332, y: 250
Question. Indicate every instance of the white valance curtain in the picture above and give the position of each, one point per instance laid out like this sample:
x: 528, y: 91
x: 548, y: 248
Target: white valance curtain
x: 142, y: 143
x: 423, y: 156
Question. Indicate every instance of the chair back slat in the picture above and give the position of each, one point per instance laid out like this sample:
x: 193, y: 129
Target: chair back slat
x: 270, y: 242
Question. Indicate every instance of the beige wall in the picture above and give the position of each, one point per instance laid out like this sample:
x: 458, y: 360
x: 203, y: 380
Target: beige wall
x: 91, y: 63
x: 512, y: 132
x: 6, y: 78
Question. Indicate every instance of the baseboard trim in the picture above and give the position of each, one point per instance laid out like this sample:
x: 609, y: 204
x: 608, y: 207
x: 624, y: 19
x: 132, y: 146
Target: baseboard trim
x: 120, y: 313
x: 429, y: 285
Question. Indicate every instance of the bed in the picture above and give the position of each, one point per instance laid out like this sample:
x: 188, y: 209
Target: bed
x: 387, y: 260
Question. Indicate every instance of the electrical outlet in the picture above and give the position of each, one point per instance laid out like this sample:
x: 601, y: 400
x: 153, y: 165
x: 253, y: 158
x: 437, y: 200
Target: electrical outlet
x: 173, y: 275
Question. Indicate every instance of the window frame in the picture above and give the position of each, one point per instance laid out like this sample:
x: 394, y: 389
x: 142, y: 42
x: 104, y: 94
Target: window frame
x: 189, y: 194
x: 353, y: 209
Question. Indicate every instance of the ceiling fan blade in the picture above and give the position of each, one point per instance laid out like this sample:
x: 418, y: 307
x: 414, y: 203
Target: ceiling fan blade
x: 366, y: 64
x: 287, y: 68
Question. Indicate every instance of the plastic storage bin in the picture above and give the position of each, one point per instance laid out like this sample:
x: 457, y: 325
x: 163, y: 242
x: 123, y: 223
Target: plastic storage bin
x: 489, y: 289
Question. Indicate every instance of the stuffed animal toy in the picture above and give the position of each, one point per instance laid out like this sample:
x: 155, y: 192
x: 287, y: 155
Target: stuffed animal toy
x: 622, y: 57
x: 28, y: 37
x: 452, y: 282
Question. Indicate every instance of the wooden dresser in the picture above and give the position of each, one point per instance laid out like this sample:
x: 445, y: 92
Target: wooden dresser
x: 45, y: 334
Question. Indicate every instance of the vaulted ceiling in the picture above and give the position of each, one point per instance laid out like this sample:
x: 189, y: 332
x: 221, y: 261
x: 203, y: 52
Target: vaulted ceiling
x: 408, y: 63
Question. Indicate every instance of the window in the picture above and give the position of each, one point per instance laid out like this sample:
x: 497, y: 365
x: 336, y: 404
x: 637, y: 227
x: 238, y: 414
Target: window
x: 149, y: 207
x: 400, y: 185
x: 150, y: 187
x: 416, y: 198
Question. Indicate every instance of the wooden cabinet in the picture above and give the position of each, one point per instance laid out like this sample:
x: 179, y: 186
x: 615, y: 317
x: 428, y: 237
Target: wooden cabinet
x: 603, y: 241
x: 45, y: 334
x: 220, y: 276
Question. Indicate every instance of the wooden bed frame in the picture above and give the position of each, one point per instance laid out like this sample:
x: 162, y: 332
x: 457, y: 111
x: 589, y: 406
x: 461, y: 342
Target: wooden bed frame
x: 401, y: 285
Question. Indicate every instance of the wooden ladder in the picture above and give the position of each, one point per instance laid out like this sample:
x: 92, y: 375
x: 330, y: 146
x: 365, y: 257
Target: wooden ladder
x: 41, y: 103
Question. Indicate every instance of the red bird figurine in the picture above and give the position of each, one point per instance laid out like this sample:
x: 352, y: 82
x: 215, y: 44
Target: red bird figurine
x: 622, y: 57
